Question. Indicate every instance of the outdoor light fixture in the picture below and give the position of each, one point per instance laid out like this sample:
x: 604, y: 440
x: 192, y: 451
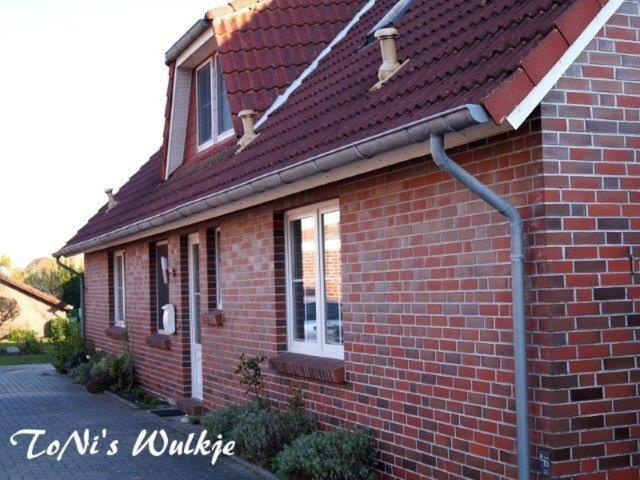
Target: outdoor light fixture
x: 166, y: 271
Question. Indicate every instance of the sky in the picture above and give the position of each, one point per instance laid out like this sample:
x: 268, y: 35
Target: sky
x: 82, y: 98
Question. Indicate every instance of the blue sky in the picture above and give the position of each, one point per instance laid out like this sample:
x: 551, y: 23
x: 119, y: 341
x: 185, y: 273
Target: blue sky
x: 82, y: 98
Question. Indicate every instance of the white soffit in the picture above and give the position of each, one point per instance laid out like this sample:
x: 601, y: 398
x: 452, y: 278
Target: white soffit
x: 193, y: 56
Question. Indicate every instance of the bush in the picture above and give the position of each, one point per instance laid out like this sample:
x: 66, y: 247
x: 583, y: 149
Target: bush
x: 261, y: 433
x: 99, y: 383
x: 334, y: 455
x: 82, y: 373
x: 30, y: 346
x: 121, y: 370
x: 17, y: 336
x: 225, y: 419
x: 9, y: 309
x: 101, y: 364
x: 70, y: 352
x: 58, y: 329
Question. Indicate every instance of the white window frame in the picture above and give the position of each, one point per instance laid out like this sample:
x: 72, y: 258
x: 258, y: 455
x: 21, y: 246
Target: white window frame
x: 119, y: 322
x: 216, y: 136
x: 320, y: 348
x: 218, y: 267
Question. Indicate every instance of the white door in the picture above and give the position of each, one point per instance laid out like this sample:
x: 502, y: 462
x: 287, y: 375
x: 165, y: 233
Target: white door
x: 194, y: 317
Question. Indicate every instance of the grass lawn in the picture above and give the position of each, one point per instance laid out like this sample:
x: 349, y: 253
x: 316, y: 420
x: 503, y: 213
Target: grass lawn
x: 19, y: 359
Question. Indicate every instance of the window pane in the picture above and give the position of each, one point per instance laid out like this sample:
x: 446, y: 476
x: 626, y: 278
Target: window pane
x: 332, y: 277
x: 303, y: 262
x: 195, y: 256
x: 162, y: 289
x: 224, y: 110
x: 119, y: 289
x: 203, y: 79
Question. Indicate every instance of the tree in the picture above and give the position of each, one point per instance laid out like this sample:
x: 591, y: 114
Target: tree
x: 9, y: 309
x: 59, y: 282
x: 5, y: 261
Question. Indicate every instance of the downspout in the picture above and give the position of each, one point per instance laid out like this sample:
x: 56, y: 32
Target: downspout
x: 81, y: 276
x: 445, y: 163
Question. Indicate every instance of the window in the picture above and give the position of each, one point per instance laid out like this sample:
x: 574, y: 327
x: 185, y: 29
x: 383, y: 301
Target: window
x: 218, y: 269
x: 118, y: 289
x: 194, y: 287
x: 314, y: 283
x: 212, y: 104
x: 162, y: 285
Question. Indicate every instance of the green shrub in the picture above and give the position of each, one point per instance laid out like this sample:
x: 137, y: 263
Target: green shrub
x: 101, y: 364
x: 68, y: 353
x: 262, y: 433
x: 82, y: 373
x: 225, y: 419
x: 30, y: 346
x: 251, y: 376
x: 58, y: 329
x: 99, y: 383
x: 17, y: 336
x: 334, y: 455
x: 121, y: 370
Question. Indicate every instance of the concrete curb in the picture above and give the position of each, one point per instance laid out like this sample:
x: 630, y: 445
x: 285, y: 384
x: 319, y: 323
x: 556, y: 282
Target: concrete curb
x: 122, y: 401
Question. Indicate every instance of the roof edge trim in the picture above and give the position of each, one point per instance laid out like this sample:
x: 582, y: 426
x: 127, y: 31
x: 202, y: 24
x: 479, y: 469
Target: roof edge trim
x: 452, y: 120
x: 187, y: 39
x: 524, y: 108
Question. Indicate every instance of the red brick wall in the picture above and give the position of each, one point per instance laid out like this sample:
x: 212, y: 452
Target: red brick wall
x: 165, y: 373
x: 587, y: 302
x: 425, y: 270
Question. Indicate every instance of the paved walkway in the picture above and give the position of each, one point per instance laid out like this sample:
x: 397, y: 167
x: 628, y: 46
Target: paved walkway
x: 36, y: 397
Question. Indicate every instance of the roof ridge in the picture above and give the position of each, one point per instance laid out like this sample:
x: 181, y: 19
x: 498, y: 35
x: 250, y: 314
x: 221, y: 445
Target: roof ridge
x: 229, y: 8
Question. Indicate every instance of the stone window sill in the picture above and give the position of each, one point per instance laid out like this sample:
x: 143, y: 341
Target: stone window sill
x: 159, y: 340
x: 117, y: 333
x: 214, y: 318
x: 324, y: 369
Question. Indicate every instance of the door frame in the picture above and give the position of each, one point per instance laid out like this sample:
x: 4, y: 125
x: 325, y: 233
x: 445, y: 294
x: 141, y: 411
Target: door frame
x: 195, y: 349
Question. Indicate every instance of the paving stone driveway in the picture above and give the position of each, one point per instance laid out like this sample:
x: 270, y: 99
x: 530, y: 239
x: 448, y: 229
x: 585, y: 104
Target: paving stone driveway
x: 34, y: 396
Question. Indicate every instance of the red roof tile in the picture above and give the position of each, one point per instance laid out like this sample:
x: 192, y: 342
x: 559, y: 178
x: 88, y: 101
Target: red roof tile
x: 265, y: 46
x: 488, y: 52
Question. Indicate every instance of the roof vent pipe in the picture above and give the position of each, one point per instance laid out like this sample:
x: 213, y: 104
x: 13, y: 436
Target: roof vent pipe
x: 387, y: 39
x: 390, y: 64
x: 248, y: 118
x: 112, y: 200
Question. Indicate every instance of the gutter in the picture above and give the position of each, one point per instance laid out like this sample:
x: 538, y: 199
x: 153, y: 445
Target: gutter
x: 187, y: 39
x: 449, y: 121
x: 81, y: 276
x: 445, y: 163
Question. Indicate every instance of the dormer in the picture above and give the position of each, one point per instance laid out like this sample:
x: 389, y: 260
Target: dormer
x: 200, y: 116
x: 262, y: 48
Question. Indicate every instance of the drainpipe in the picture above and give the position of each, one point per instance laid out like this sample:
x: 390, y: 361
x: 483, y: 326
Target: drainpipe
x: 446, y: 164
x: 81, y: 276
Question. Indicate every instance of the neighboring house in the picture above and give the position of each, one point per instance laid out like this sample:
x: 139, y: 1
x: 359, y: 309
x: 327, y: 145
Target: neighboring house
x: 37, y: 308
x: 335, y: 245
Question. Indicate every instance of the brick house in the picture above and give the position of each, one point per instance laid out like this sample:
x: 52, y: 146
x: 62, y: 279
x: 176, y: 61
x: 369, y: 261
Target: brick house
x: 373, y: 276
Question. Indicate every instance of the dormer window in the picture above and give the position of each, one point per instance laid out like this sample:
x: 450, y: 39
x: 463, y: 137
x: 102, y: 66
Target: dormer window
x: 213, y: 111
x: 200, y: 113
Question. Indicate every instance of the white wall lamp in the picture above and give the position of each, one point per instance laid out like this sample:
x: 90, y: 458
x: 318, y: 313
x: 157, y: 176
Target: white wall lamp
x: 166, y: 271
